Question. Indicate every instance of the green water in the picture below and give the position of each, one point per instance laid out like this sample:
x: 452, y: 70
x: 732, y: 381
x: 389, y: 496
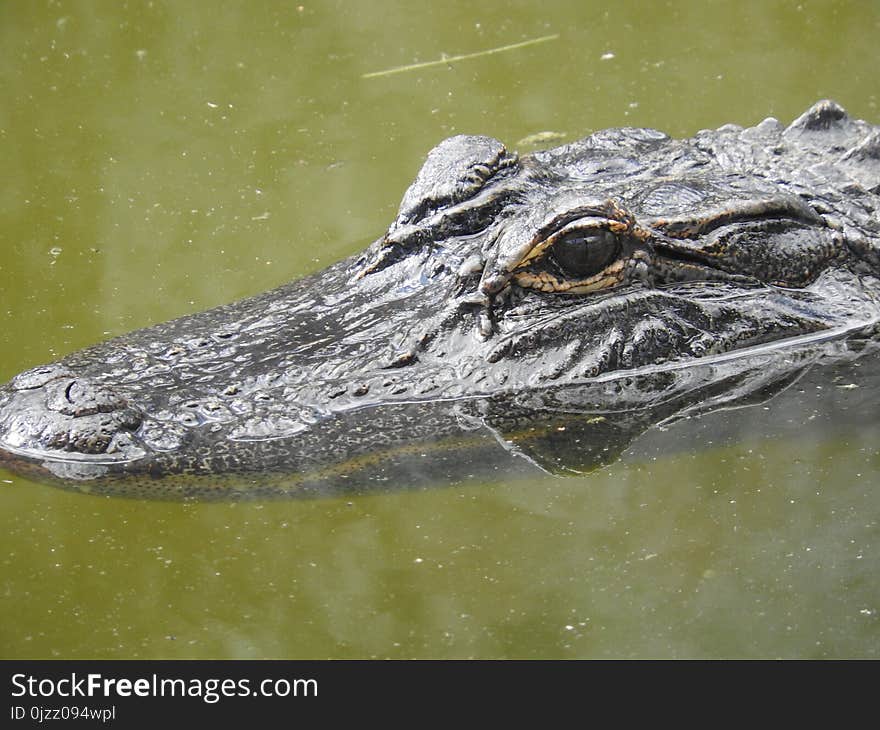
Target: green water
x: 160, y: 158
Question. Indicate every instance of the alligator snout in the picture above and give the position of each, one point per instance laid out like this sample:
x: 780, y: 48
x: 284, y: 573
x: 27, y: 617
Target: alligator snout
x: 78, y: 398
x: 50, y: 409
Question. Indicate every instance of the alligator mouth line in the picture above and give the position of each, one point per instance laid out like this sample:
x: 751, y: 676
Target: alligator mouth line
x: 77, y: 457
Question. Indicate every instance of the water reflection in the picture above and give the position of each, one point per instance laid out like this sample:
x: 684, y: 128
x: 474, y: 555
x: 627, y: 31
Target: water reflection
x: 720, y: 534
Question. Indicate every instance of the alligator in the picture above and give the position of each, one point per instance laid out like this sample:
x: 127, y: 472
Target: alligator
x: 554, y: 304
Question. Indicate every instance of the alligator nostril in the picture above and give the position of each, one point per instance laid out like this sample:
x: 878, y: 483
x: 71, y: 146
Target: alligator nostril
x: 77, y: 397
x: 39, y: 376
x: 69, y: 415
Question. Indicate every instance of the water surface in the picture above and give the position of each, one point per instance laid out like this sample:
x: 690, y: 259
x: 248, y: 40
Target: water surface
x: 161, y: 158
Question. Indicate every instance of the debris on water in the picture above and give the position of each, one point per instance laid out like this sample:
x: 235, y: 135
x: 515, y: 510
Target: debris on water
x: 446, y: 60
x: 607, y: 56
x: 541, y: 138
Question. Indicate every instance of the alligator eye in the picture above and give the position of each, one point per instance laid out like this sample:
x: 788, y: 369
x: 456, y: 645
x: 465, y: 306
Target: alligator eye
x: 584, y: 253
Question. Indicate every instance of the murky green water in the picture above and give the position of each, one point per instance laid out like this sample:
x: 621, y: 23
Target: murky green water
x: 160, y: 158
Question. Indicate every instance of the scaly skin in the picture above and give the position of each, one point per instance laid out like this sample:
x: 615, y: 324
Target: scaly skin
x: 503, y: 280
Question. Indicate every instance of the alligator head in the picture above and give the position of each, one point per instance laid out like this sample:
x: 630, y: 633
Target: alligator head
x: 625, y: 251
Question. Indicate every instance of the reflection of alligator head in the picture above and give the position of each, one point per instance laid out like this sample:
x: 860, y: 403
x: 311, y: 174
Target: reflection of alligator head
x: 502, y: 281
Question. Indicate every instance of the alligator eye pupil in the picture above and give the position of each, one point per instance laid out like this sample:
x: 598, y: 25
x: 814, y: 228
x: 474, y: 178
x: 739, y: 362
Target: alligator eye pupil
x: 585, y: 253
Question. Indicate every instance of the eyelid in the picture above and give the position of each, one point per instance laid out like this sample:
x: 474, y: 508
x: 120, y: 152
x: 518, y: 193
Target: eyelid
x: 581, y: 225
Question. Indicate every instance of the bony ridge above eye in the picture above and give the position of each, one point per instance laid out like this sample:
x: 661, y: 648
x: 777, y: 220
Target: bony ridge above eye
x: 585, y: 252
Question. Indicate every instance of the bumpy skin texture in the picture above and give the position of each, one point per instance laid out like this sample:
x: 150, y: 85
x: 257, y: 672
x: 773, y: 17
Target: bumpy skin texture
x: 501, y: 277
